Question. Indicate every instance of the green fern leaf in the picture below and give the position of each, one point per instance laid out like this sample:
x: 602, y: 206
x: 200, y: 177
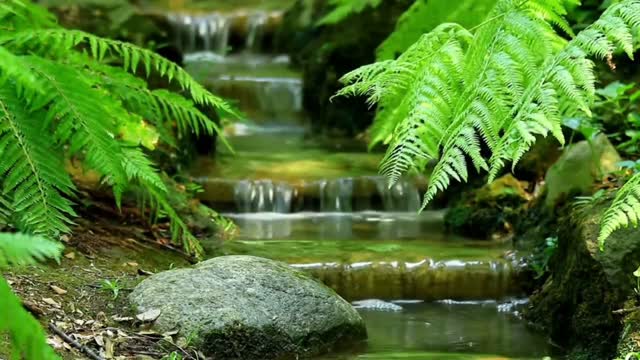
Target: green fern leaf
x: 623, y: 212
x: 35, y: 176
x: 20, y: 249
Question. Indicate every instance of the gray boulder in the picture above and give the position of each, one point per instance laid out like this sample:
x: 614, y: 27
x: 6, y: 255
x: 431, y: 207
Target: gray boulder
x: 245, y: 307
x: 579, y: 167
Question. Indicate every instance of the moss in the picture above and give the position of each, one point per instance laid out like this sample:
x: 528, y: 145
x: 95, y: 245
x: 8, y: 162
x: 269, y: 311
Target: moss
x: 270, y: 343
x: 576, y: 303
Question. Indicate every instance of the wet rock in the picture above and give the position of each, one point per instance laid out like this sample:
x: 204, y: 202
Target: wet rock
x: 326, y: 53
x: 579, y: 167
x: 577, y: 302
x: 490, y: 210
x: 375, y: 304
x: 250, y: 308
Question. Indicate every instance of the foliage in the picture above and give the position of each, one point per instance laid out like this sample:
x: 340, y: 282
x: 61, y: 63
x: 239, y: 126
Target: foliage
x: 541, y: 264
x: 499, y: 86
x: 113, y: 287
x: 424, y: 15
x: 69, y: 94
x: 342, y: 9
x: 27, y: 338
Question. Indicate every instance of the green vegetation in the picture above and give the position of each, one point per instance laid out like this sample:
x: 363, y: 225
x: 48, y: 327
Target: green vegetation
x: 27, y: 338
x: 80, y: 100
x: 500, y: 85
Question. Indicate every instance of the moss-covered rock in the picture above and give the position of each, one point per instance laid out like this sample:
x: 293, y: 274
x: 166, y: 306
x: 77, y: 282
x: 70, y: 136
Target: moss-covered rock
x: 579, y: 167
x: 325, y: 53
x: 489, y: 210
x: 577, y: 302
x: 250, y: 308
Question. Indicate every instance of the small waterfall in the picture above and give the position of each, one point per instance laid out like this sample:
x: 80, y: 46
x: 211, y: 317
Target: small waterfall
x: 218, y: 32
x: 401, y: 196
x: 263, y: 196
x: 201, y: 32
x: 336, y: 195
x: 255, y: 34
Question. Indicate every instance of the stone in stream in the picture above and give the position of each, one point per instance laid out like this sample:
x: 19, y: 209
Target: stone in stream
x: 250, y: 308
x: 376, y: 304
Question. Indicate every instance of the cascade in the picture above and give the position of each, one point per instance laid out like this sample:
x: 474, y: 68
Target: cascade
x: 320, y: 205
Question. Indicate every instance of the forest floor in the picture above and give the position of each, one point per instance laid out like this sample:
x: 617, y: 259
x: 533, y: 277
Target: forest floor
x: 75, y: 298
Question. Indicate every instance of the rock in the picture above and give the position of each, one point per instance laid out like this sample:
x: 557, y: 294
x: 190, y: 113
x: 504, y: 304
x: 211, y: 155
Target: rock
x: 586, y: 285
x: 579, y: 167
x: 375, y: 304
x: 250, y: 308
x: 489, y: 210
x: 325, y: 53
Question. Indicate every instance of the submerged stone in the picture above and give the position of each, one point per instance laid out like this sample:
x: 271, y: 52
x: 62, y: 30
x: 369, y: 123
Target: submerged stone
x: 250, y: 308
x: 375, y: 304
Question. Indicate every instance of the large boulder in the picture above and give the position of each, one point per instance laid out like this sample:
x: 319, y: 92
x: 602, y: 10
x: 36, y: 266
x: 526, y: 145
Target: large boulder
x: 579, y: 301
x: 579, y: 167
x: 250, y: 308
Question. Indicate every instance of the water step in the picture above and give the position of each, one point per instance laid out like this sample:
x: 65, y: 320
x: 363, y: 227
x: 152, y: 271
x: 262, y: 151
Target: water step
x: 368, y: 225
x: 219, y: 32
x: 425, y: 269
x: 349, y: 194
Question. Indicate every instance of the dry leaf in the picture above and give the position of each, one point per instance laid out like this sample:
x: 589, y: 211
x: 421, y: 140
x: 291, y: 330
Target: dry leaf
x: 117, y: 318
x: 51, y: 302
x: 70, y: 255
x: 57, y: 290
x: 149, y: 316
x: 99, y: 340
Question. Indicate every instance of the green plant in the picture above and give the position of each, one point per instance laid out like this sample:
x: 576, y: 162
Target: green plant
x: 540, y: 264
x: 26, y: 335
x: 424, y: 15
x: 68, y: 94
x: 173, y: 356
x: 500, y: 85
x: 344, y: 8
x: 113, y: 287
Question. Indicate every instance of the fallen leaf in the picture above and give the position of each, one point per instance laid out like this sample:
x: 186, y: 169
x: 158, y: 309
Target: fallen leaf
x: 57, y: 290
x: 70, y: 255
x: 51, y: 302
x: 117, y: 318
x: 78, y: 322
x: 149, y: 315
x: 33, y: 308
x: 132, y: 264
x: 64, y: 238
x: 144, y: 272
x: 55, y: 342
x: 99, y: 340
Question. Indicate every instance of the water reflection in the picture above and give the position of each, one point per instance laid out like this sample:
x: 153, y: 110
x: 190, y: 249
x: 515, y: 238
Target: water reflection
x: 329, y: 225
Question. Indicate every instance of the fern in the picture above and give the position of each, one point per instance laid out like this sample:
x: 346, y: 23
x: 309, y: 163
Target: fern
x: 501, y: 84
x: 342, y: 9
x: 27, y: 337
x: 70, y: 93
x: 424, y: 15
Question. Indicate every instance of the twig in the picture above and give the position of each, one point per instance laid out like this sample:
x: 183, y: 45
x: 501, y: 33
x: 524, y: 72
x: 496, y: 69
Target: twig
x: 626, y: 311
x: 74, y: 343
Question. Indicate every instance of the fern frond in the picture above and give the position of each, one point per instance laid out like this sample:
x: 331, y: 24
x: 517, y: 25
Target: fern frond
x: 132, y: 56
x: 18, y: 15
x: 86, y: 118
x: 27, y: 338
x: 623, y: 212
x: 35, y: 178
x: 20, y: 249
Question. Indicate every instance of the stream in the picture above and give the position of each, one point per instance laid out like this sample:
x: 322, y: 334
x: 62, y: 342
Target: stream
x: 320, y: 206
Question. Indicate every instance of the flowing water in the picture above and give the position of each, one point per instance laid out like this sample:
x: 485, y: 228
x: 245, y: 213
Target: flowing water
x: 319, y: 205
